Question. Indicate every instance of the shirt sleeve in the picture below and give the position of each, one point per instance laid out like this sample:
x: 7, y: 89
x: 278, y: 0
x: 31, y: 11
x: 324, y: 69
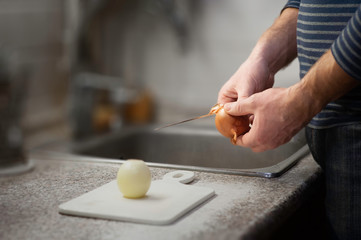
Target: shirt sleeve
x: 292, y: 4
x: 347, y: 47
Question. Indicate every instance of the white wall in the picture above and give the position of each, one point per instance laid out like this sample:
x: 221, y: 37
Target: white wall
x: 221, y: 38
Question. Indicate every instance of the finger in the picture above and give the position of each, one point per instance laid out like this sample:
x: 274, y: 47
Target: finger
x: 239, y: 108
x: 225, y: 99
x: 251, y: 119
x: 243, y: 140
x: 226, y: 96
x: 247, y: 141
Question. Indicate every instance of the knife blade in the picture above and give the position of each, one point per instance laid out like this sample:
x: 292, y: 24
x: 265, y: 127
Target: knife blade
x: 214, y: 110
x: 184, y: 121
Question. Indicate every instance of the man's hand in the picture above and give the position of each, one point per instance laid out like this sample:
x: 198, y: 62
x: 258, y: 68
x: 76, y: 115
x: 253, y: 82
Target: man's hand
x: 253, y: 76
x: 275, y: 49
x: 277, y: 115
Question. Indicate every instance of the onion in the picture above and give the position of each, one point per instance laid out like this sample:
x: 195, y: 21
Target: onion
x: 230, y: 126
x: 134, y: 178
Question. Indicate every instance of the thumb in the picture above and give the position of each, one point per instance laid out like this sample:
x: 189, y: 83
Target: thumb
x: 239, y: 108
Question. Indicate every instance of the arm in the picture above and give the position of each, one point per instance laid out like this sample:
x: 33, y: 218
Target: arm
x: 275, y: 49
x: 279, y: 113
x: 347, y: 47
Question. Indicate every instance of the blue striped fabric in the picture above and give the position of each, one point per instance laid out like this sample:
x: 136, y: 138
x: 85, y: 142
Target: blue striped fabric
x: 335, y: 24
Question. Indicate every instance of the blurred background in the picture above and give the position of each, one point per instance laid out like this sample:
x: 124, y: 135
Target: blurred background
x: 94, y: 65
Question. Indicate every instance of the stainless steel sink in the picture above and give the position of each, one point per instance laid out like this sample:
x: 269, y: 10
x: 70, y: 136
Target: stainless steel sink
x: 193, y: 148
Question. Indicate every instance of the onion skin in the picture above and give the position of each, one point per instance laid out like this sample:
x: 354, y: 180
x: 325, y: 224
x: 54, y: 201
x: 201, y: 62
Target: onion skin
x: 231, y: 126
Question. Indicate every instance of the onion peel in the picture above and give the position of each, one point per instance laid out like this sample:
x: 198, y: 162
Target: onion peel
x: 229, y: 126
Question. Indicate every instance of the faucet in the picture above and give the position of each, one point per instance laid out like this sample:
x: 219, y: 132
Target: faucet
x: 13, y: 79
x: 96, y: 103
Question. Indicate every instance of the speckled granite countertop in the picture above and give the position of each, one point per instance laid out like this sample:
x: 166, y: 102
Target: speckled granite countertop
x: 243, y: 208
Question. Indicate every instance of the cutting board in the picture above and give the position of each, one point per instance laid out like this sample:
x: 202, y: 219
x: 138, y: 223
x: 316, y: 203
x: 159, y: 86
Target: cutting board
x: 166, y: 201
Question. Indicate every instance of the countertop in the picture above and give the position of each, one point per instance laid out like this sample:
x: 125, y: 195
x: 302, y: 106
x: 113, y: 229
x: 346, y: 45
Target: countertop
x: 243, y: 208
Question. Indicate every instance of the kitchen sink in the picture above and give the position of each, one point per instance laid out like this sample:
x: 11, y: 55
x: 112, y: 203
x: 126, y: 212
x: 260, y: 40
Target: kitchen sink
x: 192, y: 148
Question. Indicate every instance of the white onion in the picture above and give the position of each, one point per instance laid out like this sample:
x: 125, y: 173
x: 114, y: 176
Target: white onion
x: 134, y: 178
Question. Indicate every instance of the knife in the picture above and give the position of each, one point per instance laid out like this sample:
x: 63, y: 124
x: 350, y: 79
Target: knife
x: 212, y: 112
x: 187, y: 120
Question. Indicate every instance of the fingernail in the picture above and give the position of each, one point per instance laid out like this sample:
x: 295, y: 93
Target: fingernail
x: 227, y: 107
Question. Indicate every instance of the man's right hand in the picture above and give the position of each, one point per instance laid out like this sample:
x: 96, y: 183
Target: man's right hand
x: 253, y: 76
x: 275, y: 49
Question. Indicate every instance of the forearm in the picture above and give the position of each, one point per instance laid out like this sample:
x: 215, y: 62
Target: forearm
x: 279, y: 113
x: 278, y: 46
x: 326, y: 81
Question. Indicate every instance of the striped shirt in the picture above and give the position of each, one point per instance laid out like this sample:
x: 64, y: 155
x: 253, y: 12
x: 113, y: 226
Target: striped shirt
x: 335, y: 25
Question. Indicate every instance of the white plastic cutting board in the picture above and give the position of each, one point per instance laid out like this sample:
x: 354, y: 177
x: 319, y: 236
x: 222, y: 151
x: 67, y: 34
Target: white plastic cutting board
x: 166, y: 201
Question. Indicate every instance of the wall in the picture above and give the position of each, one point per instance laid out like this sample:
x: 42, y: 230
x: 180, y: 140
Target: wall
x: 33, y: 30
x: 141, y: 45
x: 221, y: 35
